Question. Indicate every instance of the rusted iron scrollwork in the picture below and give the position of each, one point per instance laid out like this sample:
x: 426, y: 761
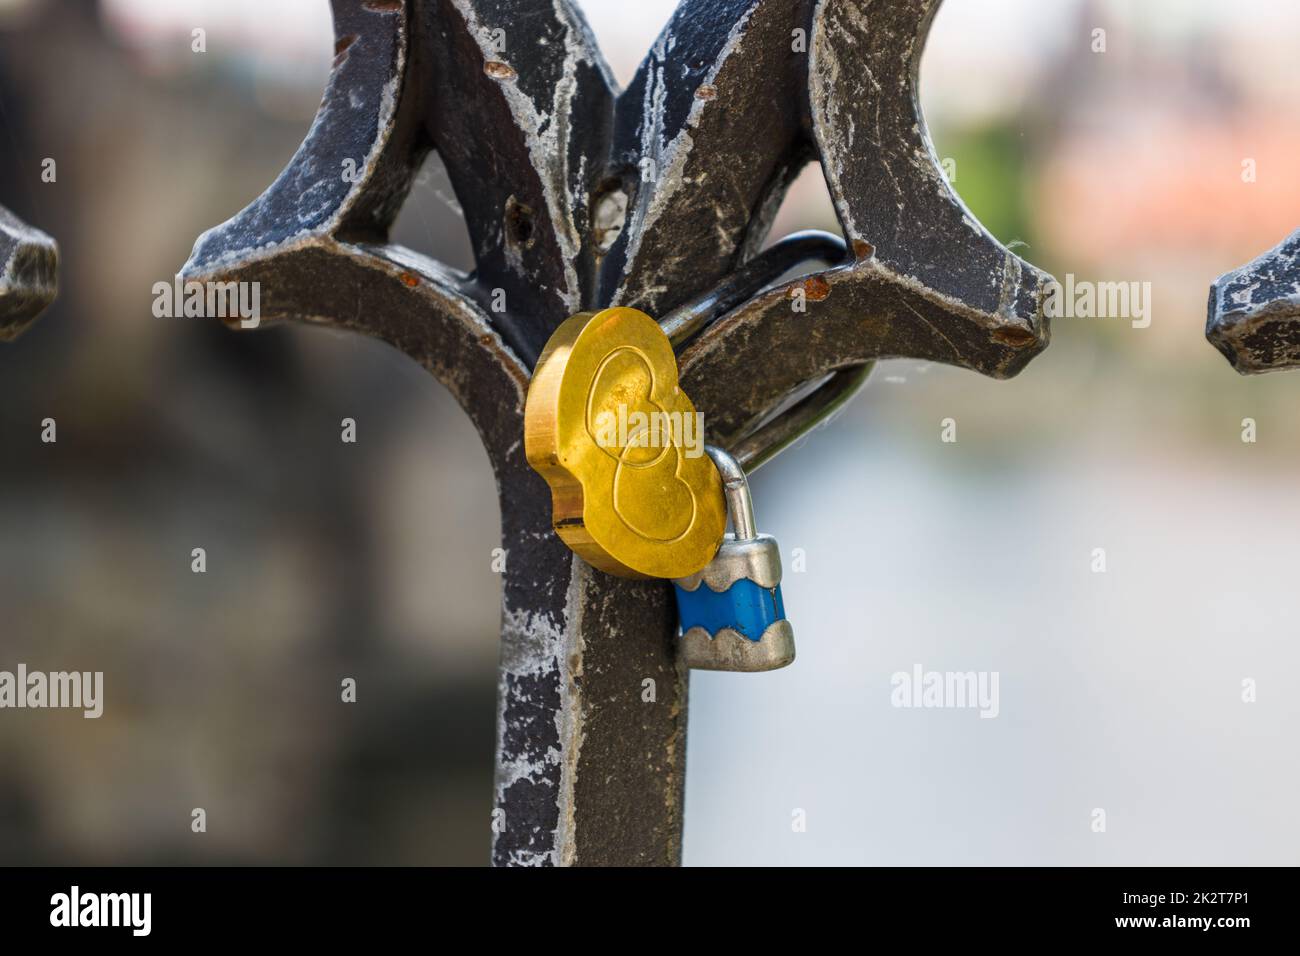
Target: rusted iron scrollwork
x: 1254, y: 311
x: 29, y: 266
x: 578, y: 196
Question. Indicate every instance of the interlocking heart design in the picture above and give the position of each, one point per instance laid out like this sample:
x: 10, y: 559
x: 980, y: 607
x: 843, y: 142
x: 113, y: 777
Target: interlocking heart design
x: 638, y: 506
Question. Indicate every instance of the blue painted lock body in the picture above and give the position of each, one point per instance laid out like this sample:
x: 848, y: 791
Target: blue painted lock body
x: 732, y: 615
x: 745, y: 607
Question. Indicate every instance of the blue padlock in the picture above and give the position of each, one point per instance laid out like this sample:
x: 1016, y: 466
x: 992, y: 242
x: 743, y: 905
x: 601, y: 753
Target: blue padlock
x: 732, y: 616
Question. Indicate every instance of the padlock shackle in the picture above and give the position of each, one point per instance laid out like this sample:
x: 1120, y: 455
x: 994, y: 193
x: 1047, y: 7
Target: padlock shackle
x: 740, y: 504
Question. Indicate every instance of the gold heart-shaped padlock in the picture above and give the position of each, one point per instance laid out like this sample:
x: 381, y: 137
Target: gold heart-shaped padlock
x: 607, y: 425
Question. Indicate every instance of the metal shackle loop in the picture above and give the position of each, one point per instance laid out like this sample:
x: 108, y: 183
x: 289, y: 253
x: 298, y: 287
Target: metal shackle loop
x: 740, y: 506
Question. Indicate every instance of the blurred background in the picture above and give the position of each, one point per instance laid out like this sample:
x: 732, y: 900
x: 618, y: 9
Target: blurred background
x: 1119, y: 690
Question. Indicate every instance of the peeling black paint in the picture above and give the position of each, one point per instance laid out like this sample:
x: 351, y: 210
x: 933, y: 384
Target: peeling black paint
x: 703, y: 143
x: 1254, y: 311
x: 29, y: 264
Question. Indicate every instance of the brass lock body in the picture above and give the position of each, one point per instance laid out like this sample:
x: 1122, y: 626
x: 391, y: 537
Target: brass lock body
x: 620, y: 444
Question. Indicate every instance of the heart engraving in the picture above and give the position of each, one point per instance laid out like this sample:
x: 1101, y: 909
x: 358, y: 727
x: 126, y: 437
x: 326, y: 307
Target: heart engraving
x: 605, y: 424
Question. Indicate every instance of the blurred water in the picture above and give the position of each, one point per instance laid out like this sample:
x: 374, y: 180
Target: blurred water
x: 1118, y: 690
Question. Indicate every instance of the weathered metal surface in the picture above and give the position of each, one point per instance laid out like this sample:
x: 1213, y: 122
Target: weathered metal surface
x: 29, y: 266
x: 577, y: 197
x: 1254, y: 311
